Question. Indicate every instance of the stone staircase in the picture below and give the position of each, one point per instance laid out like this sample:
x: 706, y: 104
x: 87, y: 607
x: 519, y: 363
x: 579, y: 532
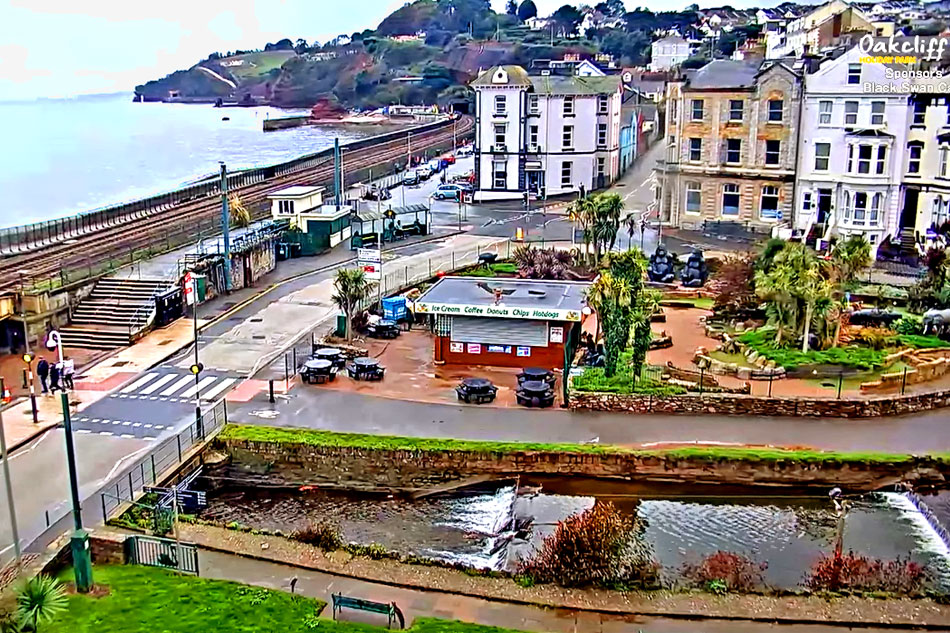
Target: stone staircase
x: 115, y: 313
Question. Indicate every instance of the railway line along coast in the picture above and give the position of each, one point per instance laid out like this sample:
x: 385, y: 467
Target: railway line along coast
x: 57, y: 255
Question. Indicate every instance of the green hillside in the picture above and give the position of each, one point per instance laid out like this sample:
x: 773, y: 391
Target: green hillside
x: 371, y: 69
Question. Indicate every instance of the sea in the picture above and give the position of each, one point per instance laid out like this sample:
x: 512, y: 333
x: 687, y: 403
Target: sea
x: 64, y: 156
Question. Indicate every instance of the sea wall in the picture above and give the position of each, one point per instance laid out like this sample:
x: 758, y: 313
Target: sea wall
x: 281, y: 463
x: 737, y: 404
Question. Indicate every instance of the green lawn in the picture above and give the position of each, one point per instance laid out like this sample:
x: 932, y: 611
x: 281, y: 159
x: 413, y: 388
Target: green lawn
x: 146, y: 599
x: 705, y: 303
x: 494, y: 270
x: 386, y: 442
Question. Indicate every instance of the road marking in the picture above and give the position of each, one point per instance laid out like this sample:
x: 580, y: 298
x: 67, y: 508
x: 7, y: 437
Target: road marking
x: 137, y: 424
x: 205, y: 382
x: 126, y: 424
x: 152, y: 388
x: 108, y: 433
x: 117, y: 422
x: 141, y: 382
x: 83, y: 431
x: 178, y: 385
x: 218, y: 388
x: 148, y: 426
x: 127, y: 436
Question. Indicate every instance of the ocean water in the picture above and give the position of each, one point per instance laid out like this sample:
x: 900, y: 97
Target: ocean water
x: 64, y: 156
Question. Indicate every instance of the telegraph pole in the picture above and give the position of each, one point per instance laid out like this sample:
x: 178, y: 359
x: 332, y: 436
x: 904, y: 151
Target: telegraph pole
x: 9, y: 485
x: 79, y: 541
x: 225, y: 228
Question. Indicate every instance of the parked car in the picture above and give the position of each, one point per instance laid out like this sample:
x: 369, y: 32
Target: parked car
x: 465, y: 150
x: 467, y: 177
x: 450, y: 159
x: 435, y: 166
x: 448, y: 192
x: 412, y: 178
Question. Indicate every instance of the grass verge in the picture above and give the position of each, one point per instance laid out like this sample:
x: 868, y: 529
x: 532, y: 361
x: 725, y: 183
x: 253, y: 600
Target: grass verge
x: 150, y: 599
x: 329, y: 439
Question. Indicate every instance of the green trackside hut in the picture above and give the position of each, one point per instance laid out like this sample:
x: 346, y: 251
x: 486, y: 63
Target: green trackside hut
x: 321, y: 225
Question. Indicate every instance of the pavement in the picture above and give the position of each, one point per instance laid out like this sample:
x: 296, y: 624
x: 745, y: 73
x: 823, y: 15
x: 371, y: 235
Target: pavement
x: 416, y: 603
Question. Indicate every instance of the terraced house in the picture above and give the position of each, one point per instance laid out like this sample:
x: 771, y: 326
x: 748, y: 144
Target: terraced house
x: 551, y: 134
x: 731, y: 135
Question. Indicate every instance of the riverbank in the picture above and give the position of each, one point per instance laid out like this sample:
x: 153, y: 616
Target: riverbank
x: 842, y: 610
x: 282, y: 456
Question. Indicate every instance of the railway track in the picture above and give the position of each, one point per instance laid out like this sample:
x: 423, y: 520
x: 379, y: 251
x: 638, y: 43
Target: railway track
x: 138, y: 233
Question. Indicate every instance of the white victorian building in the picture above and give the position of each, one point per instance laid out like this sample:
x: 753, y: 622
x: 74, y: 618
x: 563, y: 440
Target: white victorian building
x: 550, y: 134
x: 851, y: 153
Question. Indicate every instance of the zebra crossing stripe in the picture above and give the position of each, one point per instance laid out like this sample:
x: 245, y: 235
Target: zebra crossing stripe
x: 205, y: 382
x: 161, y: 382
x: 218, y: 388
x: 141, y: 382
x: 184, y: 380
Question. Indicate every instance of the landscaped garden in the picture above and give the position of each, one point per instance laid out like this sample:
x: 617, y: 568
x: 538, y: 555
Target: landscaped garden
x: 132, y: 599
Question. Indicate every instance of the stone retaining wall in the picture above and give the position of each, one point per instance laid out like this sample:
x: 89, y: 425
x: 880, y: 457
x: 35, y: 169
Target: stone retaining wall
x: 290, y: 464
x: 736, y: 404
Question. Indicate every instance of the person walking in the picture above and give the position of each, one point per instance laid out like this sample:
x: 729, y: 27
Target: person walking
x: 42, y: 370
x: 69, y: 369
x: 54, y: 378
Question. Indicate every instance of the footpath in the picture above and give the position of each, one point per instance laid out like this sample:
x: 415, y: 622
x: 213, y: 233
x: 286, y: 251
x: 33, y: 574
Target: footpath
x: 286, y: 304
x: 690, y: 613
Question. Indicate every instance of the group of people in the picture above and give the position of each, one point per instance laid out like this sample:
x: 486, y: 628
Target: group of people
x: 57, y: 376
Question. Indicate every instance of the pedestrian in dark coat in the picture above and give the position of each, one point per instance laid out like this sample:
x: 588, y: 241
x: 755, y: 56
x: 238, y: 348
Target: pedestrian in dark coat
x: 42, y: 370
x: 54, y: 378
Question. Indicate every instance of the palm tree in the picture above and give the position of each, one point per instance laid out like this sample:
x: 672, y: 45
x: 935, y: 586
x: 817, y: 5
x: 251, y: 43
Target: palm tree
x: 240, y: 214
x: 583, y: 213
x: 612, y: 298
x: 40, y: 600
x: 811, y: 287
x: 351, y: 288
x: 850, y: 257
x: 609, y: 210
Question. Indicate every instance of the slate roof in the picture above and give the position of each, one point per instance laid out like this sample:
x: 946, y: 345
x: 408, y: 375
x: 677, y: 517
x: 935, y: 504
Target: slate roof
x: 517, y: 76
x: 556, y: 85
x: 724, y: 73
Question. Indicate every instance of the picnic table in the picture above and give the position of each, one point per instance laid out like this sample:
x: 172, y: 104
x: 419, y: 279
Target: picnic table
x: 365, y: 368
x: 318, y: 370
x: 535, y: 393
x: 331, y: 354
x: 536, y: 374
x: 384, y: 328
x: 477, y: 390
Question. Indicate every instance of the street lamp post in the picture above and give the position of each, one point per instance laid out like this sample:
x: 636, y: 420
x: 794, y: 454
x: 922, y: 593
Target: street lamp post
x: 9, y: 485
x: 197, y: 367
x: 79, y: 541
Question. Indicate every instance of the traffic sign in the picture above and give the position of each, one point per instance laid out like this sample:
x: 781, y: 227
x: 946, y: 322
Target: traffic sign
x: 189, y: 288
x: 368, y: 255
x: 370, y: 261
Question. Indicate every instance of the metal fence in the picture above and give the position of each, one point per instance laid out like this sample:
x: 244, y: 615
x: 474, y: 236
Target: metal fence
x: 129, y: 483
x: 153, y: 551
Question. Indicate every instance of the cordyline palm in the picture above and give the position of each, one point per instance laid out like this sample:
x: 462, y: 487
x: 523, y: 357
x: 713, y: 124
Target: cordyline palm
x: 584, y: 213
x: 40, y: 600
x: 774, y: 286
x: 240, y: 214
x: 609, y: 210
x: 850, y: 257
x: 612, y: 298
x: 351, y: 288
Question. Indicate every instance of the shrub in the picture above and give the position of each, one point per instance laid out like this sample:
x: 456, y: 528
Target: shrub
x: 322, y: 534
x: 762, y: 341
x: 876, y: 338
x: 854, y: 572
x: 40, y: 600
x: 908, y: 325
x: 725, y: 571
x: 598, y: 546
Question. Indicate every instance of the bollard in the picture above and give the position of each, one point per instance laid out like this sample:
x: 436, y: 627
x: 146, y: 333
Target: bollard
x: 270, y: 388
x: 771, y: 377
x: 295, y: 359
x: 840, y: 380
x: 702, y: 375
x: 25, y: 383
x: 286, y: 374
x: 904, y: 381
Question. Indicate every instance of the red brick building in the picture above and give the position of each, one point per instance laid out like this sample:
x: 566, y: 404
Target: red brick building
x: 504, y: 322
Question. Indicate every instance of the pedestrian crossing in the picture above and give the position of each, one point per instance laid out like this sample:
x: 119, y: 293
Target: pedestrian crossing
x: 119, y: 428
x: 157, y: 386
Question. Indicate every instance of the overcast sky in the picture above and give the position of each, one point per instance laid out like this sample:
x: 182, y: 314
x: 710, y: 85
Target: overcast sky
x: 55, y: 48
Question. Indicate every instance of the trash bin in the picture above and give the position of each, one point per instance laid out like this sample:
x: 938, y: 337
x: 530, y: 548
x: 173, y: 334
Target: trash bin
x: 341, y: 325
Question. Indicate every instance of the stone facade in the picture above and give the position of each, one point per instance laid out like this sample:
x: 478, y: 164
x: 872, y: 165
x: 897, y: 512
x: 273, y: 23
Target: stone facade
x: 285, y: 464
x: 731, y: 135
x: 733, y: 404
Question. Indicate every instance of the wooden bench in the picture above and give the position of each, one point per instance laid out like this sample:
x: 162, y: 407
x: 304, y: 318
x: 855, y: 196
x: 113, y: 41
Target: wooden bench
x: 390, y: 609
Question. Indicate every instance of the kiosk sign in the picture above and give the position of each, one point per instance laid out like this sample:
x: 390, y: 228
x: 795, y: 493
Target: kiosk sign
x: 504, y: 312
